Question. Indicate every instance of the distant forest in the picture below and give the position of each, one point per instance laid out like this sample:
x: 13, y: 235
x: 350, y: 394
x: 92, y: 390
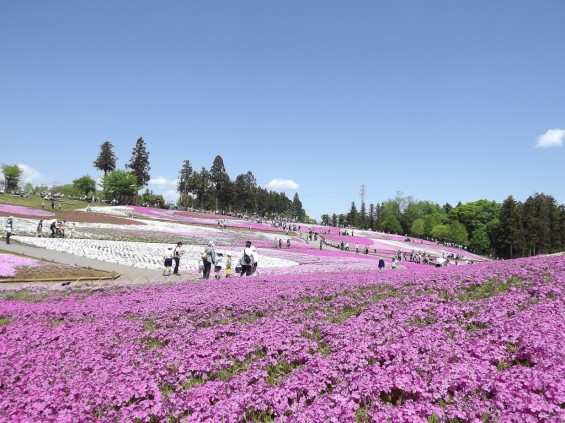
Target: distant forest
x: 508, y: 230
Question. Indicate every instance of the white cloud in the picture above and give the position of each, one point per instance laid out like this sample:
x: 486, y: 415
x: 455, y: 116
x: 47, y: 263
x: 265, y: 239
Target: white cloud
x: 279, y: 184
x: 33, y: 176
x: 161, y: 180
x: 171, y: 196
x: 552, y: 138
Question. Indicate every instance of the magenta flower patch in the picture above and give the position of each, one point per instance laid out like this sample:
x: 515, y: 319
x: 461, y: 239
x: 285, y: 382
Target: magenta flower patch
x: 482, y: 342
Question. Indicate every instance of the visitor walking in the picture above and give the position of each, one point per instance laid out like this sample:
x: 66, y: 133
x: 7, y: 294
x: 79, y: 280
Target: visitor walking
x: 246, y: 261
x: 53, y: 228
x: 40, y: 229
x: 8, y: 233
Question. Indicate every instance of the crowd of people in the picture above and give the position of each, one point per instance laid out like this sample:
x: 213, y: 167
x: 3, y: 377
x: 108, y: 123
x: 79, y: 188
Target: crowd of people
x: 218, y: 261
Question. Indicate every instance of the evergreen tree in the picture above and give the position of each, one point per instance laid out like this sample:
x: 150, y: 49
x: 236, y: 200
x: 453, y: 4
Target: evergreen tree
x: 183, y: 182
x: 139, y: 163
x: 509, y: 240
x: 204, y: 188
x: 363, y: 216
x: 219, y: 180
x: 540, y: 224
x: 334, y: 220
x: 106, y: 160
x: 372, y: 217
x: 353, y: 215
x: 297, y: 210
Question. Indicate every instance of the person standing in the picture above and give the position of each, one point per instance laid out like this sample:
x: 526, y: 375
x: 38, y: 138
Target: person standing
x: 177, y: 253
x: 246, y: 261
x: 8, y: 233
x: 208, y: 258
x: 218, y: 266
x: 381, y: 264
x: 255, y: 258
x: 168, y: 261
x: 53, y: 227
x: 40, y: 229
x: 228, y: 266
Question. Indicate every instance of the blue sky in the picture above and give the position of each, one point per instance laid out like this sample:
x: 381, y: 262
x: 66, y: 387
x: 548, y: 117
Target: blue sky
x: 444, y: 101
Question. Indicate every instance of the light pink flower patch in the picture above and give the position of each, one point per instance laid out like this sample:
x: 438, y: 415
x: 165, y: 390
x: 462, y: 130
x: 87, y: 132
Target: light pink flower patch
x: 26, y: 211
x: 10, y: 263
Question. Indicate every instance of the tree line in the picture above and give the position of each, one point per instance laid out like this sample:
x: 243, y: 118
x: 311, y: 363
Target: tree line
x: 508, y: 230
x: 207, y: 189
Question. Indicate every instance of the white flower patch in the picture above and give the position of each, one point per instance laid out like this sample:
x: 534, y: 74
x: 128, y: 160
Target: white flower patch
x: 137, y: 254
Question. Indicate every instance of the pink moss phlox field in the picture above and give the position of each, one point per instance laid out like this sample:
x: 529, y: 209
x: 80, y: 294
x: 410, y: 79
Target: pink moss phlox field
x: 349, y: 239
x: 10, y: 263
x: 25, y: 211
x: 482, y: 342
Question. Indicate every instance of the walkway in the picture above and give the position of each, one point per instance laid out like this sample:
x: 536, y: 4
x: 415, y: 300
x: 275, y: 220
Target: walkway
x: 127, y: 274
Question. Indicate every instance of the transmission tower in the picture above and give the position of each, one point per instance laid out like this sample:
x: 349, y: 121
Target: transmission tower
x: 362, y: 193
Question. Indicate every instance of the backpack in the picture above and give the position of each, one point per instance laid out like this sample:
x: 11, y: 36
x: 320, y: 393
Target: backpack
x: 246, y: 258
x: 204, y: 256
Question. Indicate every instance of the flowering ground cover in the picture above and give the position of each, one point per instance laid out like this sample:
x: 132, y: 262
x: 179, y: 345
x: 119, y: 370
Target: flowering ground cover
x: 469, y: 343
x: 10, y: 209
x: 9, y: 264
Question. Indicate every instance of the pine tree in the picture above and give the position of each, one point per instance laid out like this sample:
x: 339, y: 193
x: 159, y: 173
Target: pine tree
x: 139, y: 163
x: 106, y: 160
x: 297, y: 210
x: 220, y: 180
x: 363, y: 216
x: 510, y: 231
x: 183, y: 181
x: 352, y: 216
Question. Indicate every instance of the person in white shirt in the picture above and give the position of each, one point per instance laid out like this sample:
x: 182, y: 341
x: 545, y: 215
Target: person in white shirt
x: 247, y: 260
x: 168, y: 261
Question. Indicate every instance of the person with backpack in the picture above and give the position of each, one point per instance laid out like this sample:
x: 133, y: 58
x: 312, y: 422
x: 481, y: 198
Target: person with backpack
x: 208, y: 258
x: 247, y: 260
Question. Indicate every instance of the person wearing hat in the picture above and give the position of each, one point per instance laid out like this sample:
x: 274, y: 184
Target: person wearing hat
x: 177, y: 253
x: 208, y: 258
x: 218, y: 265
